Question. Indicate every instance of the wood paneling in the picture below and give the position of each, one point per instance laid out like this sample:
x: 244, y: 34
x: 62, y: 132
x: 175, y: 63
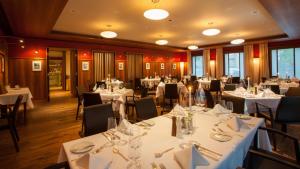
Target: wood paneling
x: 286, y: 13
x: 85, y: 75
x: 20, y: 72
x: 31, y: 17
x: 84, y: 54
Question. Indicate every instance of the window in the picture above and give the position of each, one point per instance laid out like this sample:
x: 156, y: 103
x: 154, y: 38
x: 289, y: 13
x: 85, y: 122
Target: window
x: 286, y: 62
x: 234, y: 64
x: 197, y: 62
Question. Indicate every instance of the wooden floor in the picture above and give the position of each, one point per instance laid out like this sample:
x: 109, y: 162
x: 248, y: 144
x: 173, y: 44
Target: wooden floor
x: 48, y: 125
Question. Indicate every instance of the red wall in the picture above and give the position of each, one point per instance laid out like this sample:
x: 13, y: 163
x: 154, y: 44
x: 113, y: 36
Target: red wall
x: 15, y: 52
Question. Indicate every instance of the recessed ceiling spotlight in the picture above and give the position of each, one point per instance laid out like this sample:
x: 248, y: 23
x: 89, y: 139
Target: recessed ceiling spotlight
x: 237, y: 41
x: 211, y: 32
x: 21, y: 40
x: 161, y: 42
x: 22, y: 46
x: 192, y: 47
x: 108, y: 34
x: 156, y: 14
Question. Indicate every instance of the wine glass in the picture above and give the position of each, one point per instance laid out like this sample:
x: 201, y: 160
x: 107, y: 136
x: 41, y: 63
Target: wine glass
x: 134, y: 148
x: 111, y: 129
x: 229, y: 106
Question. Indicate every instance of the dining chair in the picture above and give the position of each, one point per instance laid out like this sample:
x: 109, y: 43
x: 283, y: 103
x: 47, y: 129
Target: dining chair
x: 90, y: 98
x: 61, y: 165
x: 79, y: 90
x: 261, y: 159
x: 171, y: 93
x: 11, y: 122
x: 288, y: 112
x: 95, y: 118
x: 137, y: 83
x: 215, y: 86
x: 238, y: 103
x: 293, y: 91
x: 193, y: 78
x: 229, y: 87
x: 235, y: 80
x: 90, y: 85
x: 101, y: 83
x: 275, y: 89
x: 145, y: 108
x: 209, y: 99
x: 263, y: 79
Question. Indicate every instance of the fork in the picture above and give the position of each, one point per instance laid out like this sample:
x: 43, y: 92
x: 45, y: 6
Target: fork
x: 158, y: 155
x: 162, y: 166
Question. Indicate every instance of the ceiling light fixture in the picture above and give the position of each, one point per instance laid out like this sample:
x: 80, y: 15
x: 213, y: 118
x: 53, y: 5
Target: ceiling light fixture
x: 108, y: 34
x: 161, y: 42
x: 21, y: 40
x: 192, y: 47
x: 237, y: 41
x: 211, y: 32
x: 156, y: 14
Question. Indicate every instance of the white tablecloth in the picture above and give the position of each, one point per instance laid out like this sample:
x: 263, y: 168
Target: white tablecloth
x: 11, y: 96
x: 118, y: 96
x: 282, y: 85
x: 204, y: 83
x: 159, y: 138
x: 150, y: 82
x: 250, y: 106
x: 160, y: 90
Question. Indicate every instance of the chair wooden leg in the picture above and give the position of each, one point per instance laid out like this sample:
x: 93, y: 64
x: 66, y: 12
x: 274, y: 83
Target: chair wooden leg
x: 25, y: 111
x: 13, y: 136
x: 16, y: 133
x: 78, y: 106
x: 284, y: 128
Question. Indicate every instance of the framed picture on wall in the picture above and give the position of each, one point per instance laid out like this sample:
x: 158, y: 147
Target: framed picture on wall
x: 2, y: 64
x: 85, y: 66
x: 162, y: 66
x: 147, y: 66
x: 36, y: 65
x: 121, y: 66
x: 174, y: 66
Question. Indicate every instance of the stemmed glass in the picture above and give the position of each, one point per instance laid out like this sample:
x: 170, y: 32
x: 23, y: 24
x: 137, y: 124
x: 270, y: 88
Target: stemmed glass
x: 134, y: 148
x: 112, y: 128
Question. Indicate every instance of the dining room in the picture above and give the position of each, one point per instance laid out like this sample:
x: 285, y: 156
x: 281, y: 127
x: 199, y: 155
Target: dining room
x: 149, y: 84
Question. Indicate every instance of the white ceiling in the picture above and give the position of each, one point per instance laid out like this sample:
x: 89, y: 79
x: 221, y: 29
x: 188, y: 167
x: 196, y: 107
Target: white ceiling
x: 236, y: 18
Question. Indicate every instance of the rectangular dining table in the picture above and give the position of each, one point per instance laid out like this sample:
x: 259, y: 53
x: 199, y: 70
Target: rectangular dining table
x: 250, y: 100
x: 117, y: 96
x: 12, y: 94
x: 159, y: 138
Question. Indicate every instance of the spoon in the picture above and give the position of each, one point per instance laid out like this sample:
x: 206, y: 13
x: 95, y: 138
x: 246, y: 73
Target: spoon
x: 158, y: 155
x: 117, y: 151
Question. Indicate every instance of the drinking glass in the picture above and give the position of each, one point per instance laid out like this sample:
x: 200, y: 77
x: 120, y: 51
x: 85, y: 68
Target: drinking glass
x: 134, y: 148
x: 230, y: 106
x: 112, y: 128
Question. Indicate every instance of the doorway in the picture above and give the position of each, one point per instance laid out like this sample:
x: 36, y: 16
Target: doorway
x: 59, y: 72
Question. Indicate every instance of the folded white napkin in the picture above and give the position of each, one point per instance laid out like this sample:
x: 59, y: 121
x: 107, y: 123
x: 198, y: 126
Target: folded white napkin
x: 190, y: 158
x: 161, y: 84
x: 218, y: 109
x: 269, y: 92
x: 236, y: 123
x: 179, y: 110
x: 100, y: 161
x: 240, y: 89
x: 124, y: 127
x: 95, y: 87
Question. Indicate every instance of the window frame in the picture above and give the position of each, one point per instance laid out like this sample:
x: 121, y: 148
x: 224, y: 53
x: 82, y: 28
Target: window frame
x: 194, y: 56
x: 281, y: 48
x: 224, y: 63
